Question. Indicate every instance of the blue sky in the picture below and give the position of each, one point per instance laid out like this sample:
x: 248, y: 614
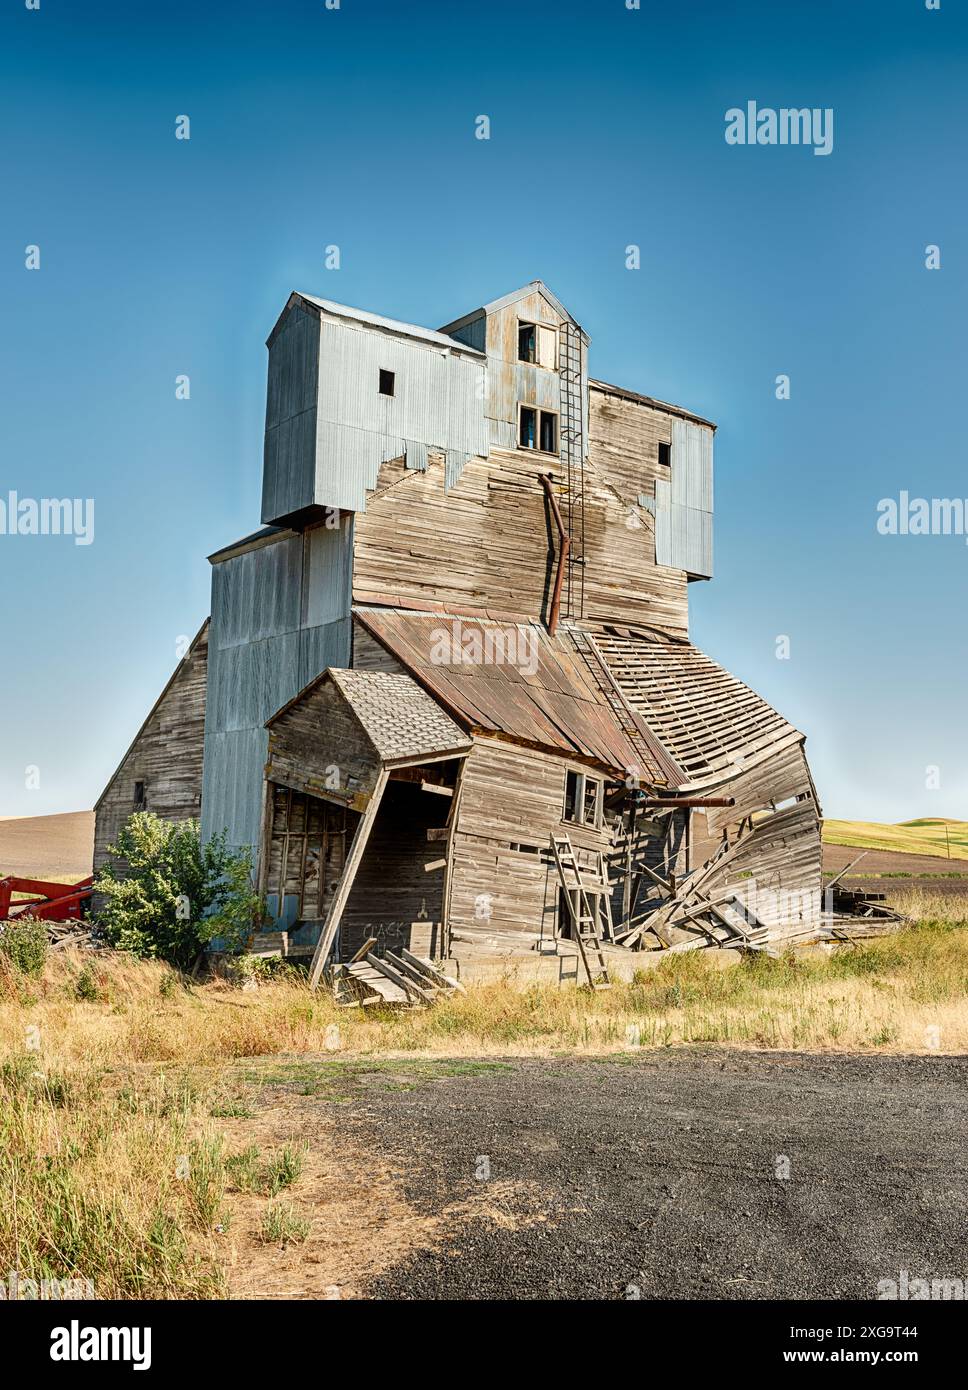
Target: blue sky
x: 355, y: 126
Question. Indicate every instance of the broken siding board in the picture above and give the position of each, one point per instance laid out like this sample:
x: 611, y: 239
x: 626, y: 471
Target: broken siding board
x: 489, y: 544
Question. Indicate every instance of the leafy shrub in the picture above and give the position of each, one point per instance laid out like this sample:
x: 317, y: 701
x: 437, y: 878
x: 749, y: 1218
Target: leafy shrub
x: 24, y: 945
x: 166, y: 895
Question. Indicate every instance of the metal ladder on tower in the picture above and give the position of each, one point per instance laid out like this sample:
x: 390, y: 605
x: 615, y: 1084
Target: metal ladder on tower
x: 585, y: 924
x: 571, y: 446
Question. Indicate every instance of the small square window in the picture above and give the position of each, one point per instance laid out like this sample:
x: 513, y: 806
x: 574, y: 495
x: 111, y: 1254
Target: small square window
x: 665, y: 453
x: 387, y: 382
x: 583, y: 799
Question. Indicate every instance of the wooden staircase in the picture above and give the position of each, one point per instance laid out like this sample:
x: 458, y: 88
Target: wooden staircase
x: 585, y: 922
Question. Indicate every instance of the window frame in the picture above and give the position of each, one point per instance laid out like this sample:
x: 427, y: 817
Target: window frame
x: 539, y: 410
x: 535, y: 361
x: 386, y: 372
x: 582, y: 779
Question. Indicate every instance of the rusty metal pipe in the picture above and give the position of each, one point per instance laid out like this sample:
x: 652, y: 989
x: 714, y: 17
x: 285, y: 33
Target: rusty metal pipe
x: 564, y: 546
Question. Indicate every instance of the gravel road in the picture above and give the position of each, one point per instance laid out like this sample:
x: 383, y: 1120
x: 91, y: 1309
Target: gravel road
x: 665, y: 1175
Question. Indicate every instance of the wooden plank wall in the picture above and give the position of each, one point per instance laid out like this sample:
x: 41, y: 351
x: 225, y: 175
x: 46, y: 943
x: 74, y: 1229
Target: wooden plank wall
x: 510, y: 797
x: 777, y: 864
x: 166, y: 756
x: 489, y: 544
x: 307, y: 849
x: 393, y: 890
x: 318, y: 746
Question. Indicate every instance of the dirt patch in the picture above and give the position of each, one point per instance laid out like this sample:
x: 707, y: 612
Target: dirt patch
x: 882, y: 861
x: 351, y: 1193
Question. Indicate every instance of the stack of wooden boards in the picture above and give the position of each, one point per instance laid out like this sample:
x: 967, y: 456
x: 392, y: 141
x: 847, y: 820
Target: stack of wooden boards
x: 401, y: 980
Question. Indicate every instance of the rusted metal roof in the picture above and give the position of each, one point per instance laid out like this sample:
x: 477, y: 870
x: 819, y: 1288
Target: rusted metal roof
x: 514, y: 681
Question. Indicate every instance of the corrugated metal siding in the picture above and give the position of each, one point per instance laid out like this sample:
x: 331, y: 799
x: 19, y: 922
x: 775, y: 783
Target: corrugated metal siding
x: 684, y: 502
x: 290, y: 438
x: 438, y: 404
x: 280, y: 616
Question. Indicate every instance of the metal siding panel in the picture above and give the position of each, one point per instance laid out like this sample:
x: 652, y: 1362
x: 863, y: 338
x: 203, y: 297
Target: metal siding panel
x: 260, y: 657
x: 691, y: 499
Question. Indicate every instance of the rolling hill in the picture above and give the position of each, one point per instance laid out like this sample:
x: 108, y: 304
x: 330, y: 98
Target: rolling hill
x: 934, y: 837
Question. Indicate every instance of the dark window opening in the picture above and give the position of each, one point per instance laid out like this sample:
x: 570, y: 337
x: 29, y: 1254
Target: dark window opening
x: 549, y: 432
x: 566, y: 926
x: 527, y: 343
x: 538, y: 429
x: 583, y: 799
x: 386, y: 382
x: 665, y: 452
x: 140, y: 801
x: 571, y: 796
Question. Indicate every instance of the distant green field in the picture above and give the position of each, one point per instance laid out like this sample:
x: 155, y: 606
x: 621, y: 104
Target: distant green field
x: 911, y: 837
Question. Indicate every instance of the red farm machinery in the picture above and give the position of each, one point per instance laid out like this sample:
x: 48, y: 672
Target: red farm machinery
x: 52, y: 902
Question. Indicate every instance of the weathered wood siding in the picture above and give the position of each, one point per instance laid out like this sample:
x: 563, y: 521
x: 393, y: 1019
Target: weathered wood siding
x: 774, y: 866
x: 488, y: 545
x: 317, y: 746
x: 308, y: 841
x: 166, y: 756
x: 393, y: 890
x: 503, y: 882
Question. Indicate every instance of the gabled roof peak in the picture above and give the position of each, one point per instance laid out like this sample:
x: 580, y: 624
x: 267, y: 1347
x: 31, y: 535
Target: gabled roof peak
x: 495, y: 305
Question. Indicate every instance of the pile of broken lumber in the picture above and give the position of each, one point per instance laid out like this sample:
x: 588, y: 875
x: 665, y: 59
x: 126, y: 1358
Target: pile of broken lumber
x: 402, y: 980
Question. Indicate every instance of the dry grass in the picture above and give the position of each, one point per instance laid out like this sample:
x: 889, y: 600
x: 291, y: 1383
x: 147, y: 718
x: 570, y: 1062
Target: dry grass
x: 139, y: 1150
x: 882, y: 995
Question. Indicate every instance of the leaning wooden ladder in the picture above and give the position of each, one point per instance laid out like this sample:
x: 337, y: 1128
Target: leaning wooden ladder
x: 585, y: 922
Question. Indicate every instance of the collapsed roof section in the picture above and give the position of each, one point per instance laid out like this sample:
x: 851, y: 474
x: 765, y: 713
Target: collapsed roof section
x: 517, y: 682
x: 712, y: 724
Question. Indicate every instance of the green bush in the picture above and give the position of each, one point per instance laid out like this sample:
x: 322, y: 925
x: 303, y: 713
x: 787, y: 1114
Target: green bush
x: 166, y: 895
x: 24, y: 945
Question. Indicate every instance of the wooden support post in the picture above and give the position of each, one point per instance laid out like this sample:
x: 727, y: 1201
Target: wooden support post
x: 347, y: 878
